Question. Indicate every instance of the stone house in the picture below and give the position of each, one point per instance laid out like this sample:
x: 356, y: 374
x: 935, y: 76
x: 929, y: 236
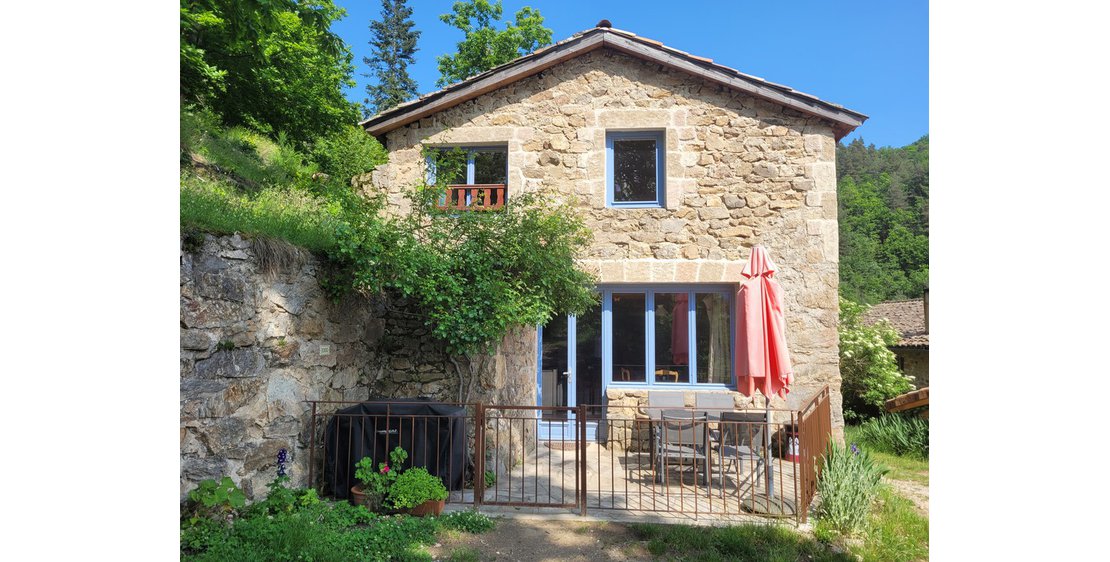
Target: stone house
x: 679, y: 166
x: 911, y: 319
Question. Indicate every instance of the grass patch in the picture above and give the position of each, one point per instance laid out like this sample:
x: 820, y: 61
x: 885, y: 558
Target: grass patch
x: 744, y: 542
x: 319, y: 531
x: 295, y: 216
x: 895, y: 531
x: 899, y: 467
x: 897, y: 434
x: 468, y: 521
x: 252, y: 159
x: 238, y: 180
x: 465, y: 554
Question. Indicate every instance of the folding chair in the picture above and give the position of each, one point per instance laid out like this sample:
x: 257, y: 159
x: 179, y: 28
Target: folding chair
x: 683, y: 437
x: 741, y: 436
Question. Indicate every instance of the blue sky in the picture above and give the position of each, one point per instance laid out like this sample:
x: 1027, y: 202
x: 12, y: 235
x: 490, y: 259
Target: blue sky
x: 869, y: 56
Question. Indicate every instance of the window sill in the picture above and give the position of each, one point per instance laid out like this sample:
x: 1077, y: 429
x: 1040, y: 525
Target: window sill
x: 685, y: 385
x: 636, y: 206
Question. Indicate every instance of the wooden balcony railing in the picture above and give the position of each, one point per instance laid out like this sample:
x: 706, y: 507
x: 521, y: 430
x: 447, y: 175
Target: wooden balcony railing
x: 475, y: 197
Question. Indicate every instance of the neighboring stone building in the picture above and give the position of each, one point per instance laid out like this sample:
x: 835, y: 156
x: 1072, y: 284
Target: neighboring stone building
x: 679, y: 166
x: 911, y: 319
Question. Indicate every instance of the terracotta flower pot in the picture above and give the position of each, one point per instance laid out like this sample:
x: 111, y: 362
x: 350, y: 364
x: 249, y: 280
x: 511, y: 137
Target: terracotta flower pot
x: 373, y: 502
x: 430, y: 507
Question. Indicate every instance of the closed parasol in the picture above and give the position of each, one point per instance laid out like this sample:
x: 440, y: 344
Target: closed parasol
x: 762, y: 360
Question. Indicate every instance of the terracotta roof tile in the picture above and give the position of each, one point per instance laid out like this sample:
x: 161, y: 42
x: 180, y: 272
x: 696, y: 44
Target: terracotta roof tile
x: 908, y: 317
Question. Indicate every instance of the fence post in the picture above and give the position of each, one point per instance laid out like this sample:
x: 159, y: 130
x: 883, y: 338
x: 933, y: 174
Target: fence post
x: 581, y: 422
x: 479, y: 453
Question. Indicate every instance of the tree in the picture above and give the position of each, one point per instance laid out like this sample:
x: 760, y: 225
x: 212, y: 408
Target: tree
x: 272, y: 65
x: 868, y: 369
x: 484, y: 47
x: 883, y: 197
x: 394, y: 44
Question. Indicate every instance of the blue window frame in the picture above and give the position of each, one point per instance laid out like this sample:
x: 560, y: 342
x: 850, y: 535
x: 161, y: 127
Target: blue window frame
x: 631, y: 351
x: 634, y: 169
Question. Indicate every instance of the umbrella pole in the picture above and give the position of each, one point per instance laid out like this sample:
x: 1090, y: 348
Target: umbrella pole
x: 769, y: 465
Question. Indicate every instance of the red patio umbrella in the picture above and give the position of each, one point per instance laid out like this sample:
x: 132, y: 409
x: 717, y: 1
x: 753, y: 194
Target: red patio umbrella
x: 762, y: 360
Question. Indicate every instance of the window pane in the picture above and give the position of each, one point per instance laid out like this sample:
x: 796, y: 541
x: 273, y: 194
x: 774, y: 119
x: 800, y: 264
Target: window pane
x: 629, y: 354
x: 553, y: 383
x: 672, y: 337
x: 588, y: 359
x: 634, y: 170
x: 490, y: 166
x: 451, y: 162
x: 714, y: 341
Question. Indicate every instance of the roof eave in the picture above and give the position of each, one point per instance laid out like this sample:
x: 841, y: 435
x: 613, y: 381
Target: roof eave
x: 844, y: 121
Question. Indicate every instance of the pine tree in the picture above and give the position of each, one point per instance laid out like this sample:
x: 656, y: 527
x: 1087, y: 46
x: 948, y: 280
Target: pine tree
x: 394, y: 44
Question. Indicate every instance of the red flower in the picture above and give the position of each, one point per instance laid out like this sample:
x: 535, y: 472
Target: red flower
x: 385, y: 469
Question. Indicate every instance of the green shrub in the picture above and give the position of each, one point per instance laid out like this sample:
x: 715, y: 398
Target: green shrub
x: 467, y: 521
x: 848, y: 484
x: 211, y: 498
x: 896, y: 434
x: 309, y: 530
x: 347, y: 153
x: 202, y: 534
x: 869, y: 369
x: 414, y: 487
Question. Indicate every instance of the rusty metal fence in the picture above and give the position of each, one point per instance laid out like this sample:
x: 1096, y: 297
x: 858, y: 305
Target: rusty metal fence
x: 691, y: 461
x: 814, y: 433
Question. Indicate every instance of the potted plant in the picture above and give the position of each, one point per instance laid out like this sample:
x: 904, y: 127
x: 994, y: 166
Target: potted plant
x: 376, y: 482
x: 418, y: 492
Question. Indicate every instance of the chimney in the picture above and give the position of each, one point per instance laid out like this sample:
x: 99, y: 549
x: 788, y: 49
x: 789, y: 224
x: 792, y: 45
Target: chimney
x: 925, y: 302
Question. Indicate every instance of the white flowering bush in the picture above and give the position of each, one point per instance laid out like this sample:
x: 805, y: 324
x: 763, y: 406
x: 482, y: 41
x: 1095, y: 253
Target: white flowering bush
x: 868, y: 369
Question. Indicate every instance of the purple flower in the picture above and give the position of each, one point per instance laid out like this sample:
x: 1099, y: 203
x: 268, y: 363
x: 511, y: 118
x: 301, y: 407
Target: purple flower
x: 283, y: 456
x: 855, y: 449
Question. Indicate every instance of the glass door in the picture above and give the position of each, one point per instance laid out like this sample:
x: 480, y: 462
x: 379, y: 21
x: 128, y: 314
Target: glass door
x: 570, y: 370
x: 555, y: 373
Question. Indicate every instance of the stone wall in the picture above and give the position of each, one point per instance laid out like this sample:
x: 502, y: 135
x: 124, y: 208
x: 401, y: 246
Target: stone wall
x: 915, y: 363
x: 739, y: 171
x: 257, y: 341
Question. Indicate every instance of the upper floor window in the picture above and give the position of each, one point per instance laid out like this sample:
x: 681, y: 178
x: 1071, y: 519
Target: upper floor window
x: 477, y: 176
x: 477, y: 165
x: 634, y: 168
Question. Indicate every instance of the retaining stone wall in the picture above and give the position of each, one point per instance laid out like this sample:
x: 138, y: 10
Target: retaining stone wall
x: 255, y: 345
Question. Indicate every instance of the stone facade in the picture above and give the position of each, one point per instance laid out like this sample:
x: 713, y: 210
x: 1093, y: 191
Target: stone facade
x: 258, y: 341
x: 739, y: 171
x: 914, y: 362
